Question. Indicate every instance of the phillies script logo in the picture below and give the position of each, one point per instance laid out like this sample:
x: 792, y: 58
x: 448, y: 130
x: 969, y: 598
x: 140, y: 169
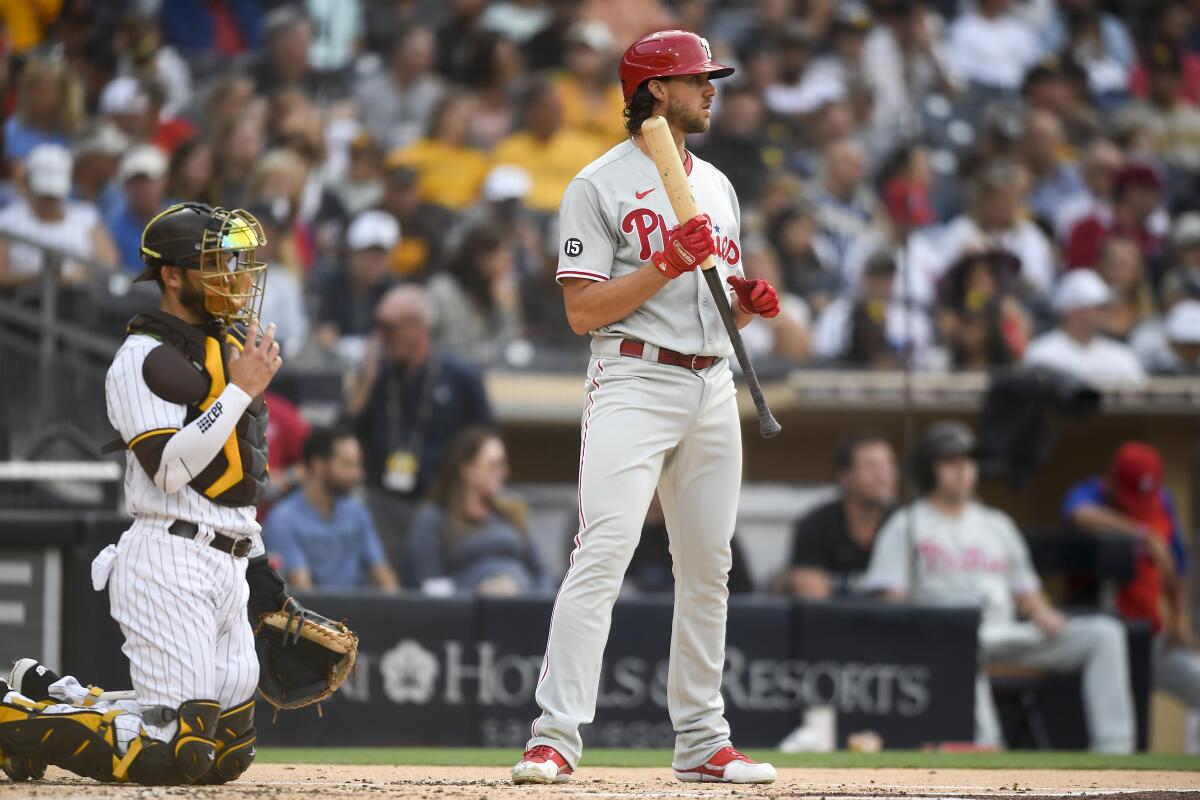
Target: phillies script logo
x: 646, y: 222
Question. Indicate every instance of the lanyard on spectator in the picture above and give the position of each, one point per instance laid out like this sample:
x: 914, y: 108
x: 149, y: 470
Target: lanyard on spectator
x: 403, y: 461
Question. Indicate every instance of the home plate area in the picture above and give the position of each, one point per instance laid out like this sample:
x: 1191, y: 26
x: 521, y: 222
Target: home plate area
x: 284, y: 781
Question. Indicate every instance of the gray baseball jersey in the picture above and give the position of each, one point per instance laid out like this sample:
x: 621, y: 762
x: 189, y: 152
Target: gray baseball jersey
x: 613, y: 216
x: 648, y: 426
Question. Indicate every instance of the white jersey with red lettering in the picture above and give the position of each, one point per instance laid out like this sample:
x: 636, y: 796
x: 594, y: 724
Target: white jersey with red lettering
x: 613, y: 216
x: 648, y: 425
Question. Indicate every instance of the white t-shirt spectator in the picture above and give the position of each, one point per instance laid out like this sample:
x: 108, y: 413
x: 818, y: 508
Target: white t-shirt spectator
x: 994, y: 52
x: 978, y: 559
x: 1102, y: 360
x: 71, y: 234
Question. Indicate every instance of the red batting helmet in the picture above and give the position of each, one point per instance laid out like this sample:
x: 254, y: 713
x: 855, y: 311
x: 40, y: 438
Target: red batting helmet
x: 667, y: 53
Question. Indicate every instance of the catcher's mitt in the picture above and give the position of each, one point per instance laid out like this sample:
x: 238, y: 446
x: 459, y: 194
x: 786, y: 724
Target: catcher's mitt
x: 303, y: 657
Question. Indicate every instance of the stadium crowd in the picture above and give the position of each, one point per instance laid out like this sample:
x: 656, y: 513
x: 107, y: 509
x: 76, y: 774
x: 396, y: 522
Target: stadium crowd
x: 956, y: 185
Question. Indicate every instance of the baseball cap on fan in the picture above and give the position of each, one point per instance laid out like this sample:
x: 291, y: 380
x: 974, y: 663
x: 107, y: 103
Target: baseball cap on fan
x: 373, y: 229
x: 506, y: 182
x: 1183, y: 323
x: 123, y: 96
x: 48, y: 171
x: 143, y: 160
x: 1081, y: 288
x: 1135, y: 478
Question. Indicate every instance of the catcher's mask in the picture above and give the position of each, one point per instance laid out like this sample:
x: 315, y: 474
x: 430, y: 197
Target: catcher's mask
x: 220, y: 243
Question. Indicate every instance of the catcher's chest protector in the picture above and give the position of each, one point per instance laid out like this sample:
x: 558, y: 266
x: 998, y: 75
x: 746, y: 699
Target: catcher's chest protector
x: 195, y: 360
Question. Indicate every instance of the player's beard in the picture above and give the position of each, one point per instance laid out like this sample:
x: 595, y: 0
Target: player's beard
x: 686, y: 119
x: 192, y: 299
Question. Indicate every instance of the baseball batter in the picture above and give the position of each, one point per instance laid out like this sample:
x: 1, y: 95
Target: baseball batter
x: 185, y: 394
x: 660, y: 413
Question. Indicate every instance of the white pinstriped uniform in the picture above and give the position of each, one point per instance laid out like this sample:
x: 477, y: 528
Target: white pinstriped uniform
x: 180, y: 603
x: 645, y: 426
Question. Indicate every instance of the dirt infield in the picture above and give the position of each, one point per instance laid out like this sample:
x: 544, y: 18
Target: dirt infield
x: 286, y: 781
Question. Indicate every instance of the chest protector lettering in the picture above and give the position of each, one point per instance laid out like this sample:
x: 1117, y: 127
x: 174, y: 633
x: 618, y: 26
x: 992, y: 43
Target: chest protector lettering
x: 238, y: 475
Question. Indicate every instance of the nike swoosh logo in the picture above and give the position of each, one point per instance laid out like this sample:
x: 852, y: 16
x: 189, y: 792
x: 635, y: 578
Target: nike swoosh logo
x: 640, y: 195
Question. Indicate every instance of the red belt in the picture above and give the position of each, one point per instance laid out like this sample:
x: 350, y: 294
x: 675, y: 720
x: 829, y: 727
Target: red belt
x: 634, y: 348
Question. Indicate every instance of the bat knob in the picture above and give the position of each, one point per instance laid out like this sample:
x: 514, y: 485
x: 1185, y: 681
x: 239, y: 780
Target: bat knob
x: 768, y: 427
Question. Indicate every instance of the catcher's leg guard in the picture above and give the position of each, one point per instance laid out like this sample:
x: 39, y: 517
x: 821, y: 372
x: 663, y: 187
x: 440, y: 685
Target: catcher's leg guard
x: 83, y: 741
x: 235, y: 744
x: 184, y: 759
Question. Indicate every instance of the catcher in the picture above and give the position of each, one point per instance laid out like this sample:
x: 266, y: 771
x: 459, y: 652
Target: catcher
x: 185, y: 393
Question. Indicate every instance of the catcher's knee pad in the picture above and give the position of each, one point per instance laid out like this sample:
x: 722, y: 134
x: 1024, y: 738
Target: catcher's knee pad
x: 81, y: 741
x: 235, y: 744
x: 185, y: 759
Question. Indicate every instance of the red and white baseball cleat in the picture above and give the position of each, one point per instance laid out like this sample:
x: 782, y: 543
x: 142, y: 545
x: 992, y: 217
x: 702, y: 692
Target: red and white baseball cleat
x: 727, y: 765
x: 542, y: 764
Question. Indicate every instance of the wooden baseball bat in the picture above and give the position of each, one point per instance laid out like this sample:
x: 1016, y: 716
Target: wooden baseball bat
x: 661, y: 145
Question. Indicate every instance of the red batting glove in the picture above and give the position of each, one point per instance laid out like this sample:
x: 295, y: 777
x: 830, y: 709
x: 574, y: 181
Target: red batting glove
x: 685, y: 247
x: 755, y: 297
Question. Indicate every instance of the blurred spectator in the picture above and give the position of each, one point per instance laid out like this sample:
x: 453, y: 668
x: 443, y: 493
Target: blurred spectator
x: 847, y: 208
x: 547, y: 48
x: 211, y: 32
x: 979, y: 317
x: 422, y: 247
x: 870, y: 329
x: 737, y: 144
x: 469, y: 532
x: 1173, y: 122
x: 839, y: 75
x: 350, y: 294
x: 904, y: 59
x: 46, y: 216
x: 324, y: 533
x: 496, y: 78
x: 949, y: 549
x: 450, y: 171
x: 125, y: 103
x: 551, y: 153
x: 502, y: 206
x: 991, y: 47
x: 190, y: 172
x: 788, y: 335
x: 1056, y: 178
x: 1077, y: 345
x: 408, y: 402
x: 1059, y: 86
x: 996, y: 221
x: 397, y: 104
x: 1106, y: 60
x: 1098, y: 168
x: 1173, y: 21
x: 1122, y: 269
x: 592, y: 101
x: 455, y: 39
x: 142, y: 55
x: 27, y: 22
x: 831, y: 544
x: 283, y: 304
x: 361, y: 187
x: 1132, y: 500
x: 287, y: 430
x: 1137, y: 194
x: 97, y: 157
x: 1172, y: 347
x: 651, y: 569
x: 49, y: 109
x: 337, y: 33
x: 785, y: 96
x: 284, y: 61
x: 475, y: 304
x: 143, y: 180
x: 1105, y: 35
x: 237, y: 148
